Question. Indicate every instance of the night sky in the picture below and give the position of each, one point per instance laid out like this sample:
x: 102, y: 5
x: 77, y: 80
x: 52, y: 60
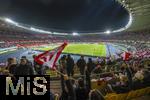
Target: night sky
x: 67, y: 15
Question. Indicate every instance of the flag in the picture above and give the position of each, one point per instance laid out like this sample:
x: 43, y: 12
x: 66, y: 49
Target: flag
x: 126, y: 56
x: 50, y: 57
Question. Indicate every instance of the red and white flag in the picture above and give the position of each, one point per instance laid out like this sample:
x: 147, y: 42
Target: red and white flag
x: 126, y: 56
x: 50, y: 57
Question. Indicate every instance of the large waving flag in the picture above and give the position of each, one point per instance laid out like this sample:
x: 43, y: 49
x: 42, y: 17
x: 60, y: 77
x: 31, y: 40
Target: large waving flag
x: 50, y: 57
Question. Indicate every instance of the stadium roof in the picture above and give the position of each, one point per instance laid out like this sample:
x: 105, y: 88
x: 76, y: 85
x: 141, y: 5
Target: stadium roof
x: 139, y: 9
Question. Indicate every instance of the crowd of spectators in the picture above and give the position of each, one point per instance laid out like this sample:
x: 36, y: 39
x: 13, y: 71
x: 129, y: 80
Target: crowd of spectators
x: 8, y: 34
x: 112, y: 37
x: 125, y: 75
x: 9, y: 38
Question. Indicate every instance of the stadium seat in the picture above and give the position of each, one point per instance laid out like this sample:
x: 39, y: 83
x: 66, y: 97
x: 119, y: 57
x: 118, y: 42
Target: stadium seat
x: 98, y: 85
x: 141, y: 92
x: 111, y: 96
x: 131, y: 95
x: 147, y: 90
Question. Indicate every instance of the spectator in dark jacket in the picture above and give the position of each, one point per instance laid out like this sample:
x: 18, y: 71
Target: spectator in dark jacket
x: 81, y: 63
x: 12, y: 65
x: 24, y: 68
x: 88, y: 80
x: 63, y: 64
x: 128, y: 72
x: 68, y: 91
x: 81, y: 91
x: 28, y: 62
x: 90, y: 65
x: 70, y: 65
x: 96, y: 95
x: 9, y: 62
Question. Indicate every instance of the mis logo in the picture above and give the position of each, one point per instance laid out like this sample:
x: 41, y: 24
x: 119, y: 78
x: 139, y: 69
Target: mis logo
x: 27, y: 85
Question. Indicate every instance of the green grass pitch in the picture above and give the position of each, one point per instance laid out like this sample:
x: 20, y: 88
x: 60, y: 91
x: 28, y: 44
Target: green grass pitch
x: 91, y: 49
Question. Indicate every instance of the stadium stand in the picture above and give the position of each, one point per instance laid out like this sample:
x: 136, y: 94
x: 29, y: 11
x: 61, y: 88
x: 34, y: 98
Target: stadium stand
x: 101, y: 78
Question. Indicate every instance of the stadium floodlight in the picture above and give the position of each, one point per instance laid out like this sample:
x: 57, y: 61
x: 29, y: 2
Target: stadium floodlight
x: 75, y: 34
x: 10, y: 21
x: 39, y: 30
x: 43, y: 31
x: 108, y: 32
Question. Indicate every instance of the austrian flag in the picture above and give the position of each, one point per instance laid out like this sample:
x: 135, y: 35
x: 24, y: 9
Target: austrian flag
x: 50, y: 57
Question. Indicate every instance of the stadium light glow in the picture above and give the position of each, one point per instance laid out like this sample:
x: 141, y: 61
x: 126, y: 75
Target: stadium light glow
x: 108, y: 32
x: 75, y: 34
x: 38, y: 30
x: 10, y: 21
x: 127, y: 26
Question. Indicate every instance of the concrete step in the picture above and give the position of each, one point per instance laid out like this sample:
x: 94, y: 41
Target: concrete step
x: 55, y: 86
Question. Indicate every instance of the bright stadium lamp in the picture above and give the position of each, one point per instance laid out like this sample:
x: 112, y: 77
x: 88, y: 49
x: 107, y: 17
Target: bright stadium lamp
x: 107, y: 32
x: 10, y: 21
x: 75, y: 33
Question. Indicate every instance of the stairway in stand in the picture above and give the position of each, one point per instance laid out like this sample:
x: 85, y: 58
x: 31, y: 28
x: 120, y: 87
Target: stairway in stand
x: 55, y: 86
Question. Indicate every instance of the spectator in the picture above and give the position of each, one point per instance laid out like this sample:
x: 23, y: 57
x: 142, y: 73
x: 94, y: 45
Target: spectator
x: 12, y: 66
x: 81, y: 63
x: 68, y: 91
x: 9, y: 62
x: 90, y: 65
x: 63, y: 64
x: 97, y: 69
x: 70, y: 65
x: 28, y: 62
x: 95, y: 95
x: 128, y: 72
x: 24, y: 68
x: 37, y: 67
x: 81, y: 90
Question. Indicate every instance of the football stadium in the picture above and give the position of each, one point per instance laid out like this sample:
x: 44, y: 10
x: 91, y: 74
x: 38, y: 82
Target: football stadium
x: 75, y: 49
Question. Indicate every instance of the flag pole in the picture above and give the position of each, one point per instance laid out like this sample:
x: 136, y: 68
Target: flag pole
x: 59, y: 72
x: 64, y: 74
